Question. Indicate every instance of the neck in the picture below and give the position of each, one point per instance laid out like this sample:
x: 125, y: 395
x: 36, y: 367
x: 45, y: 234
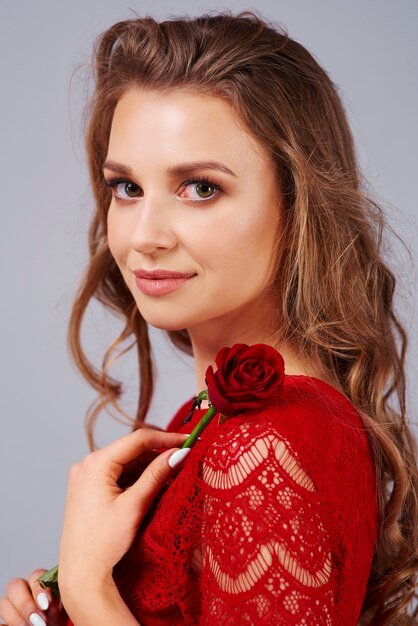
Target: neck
x: 206, y: 342
x: 247, y: 325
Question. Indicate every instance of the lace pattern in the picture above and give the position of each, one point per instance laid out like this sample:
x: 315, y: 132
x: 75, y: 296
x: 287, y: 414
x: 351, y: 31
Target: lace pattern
x: 266, y: 549
x: 271, y: 521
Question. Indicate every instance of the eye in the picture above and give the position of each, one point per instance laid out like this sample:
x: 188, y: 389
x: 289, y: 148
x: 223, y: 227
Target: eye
x: 124, y: 189
x: 205, y: 188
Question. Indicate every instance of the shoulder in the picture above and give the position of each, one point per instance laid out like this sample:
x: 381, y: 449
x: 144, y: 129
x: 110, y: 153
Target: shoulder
x: 310, y: 417
x: 308, y: 410
x: 323, y: 418
x: 317, y: 411
x: 311, y: 427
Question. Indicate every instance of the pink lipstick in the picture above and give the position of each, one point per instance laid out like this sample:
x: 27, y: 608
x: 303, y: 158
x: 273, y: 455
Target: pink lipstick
x: 160, y: 282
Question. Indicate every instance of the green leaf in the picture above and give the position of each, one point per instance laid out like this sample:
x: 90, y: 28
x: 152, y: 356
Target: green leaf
x: 50, y: 580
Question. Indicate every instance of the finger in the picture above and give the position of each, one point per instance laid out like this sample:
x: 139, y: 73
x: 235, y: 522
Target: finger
x: 8, y: 612
x: 154, y: 477
x: 43, y: 597
x: 133, y: 470
x: 140, y: 461
x: 20, y: 597
x: 127, y: 448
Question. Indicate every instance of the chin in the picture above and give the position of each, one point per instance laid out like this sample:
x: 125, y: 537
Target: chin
x: 165, y: 322
x: 171, y: 315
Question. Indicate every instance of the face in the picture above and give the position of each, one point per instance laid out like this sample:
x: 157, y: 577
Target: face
x: 193, y: 194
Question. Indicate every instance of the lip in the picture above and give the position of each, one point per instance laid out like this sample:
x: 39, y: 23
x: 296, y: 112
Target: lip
x: 160, y: 282
x: 159, y: 274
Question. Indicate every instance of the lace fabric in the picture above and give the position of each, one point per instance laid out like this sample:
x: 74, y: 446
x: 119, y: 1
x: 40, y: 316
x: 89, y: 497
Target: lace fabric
x: 274, y: 560
x: 271, y: 521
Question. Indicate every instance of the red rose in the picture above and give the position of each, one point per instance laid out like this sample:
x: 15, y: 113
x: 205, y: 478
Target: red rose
x: 246, y: 378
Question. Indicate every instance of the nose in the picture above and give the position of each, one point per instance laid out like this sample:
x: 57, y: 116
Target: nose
x: 152, y: 233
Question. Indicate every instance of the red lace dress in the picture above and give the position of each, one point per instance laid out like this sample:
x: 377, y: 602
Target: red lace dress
x: 272, y: 520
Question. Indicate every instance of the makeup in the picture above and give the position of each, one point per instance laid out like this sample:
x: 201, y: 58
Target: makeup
x: 160, y: 282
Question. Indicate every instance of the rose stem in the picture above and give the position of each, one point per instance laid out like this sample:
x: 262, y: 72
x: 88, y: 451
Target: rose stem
x: 199, y: 428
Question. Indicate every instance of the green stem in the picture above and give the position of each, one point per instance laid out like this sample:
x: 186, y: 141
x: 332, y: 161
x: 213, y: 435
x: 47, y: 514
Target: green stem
x: 199, y: 428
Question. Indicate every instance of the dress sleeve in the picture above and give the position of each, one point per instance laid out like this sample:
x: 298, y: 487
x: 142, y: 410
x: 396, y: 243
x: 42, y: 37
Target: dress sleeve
x: 266, y: 552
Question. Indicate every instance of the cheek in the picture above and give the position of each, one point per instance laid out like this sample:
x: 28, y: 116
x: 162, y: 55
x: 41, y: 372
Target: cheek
x: 245, y: 242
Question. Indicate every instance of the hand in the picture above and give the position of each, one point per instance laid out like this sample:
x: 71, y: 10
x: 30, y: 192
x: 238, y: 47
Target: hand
x: 22, y: 600
x: 101, y: 519
x: 133, y: 470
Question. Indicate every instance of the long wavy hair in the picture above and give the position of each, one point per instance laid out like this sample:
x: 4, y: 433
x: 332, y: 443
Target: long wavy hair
x: 335, y: 292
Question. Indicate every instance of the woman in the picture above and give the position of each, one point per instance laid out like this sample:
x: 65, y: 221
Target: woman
x: 229, y: 210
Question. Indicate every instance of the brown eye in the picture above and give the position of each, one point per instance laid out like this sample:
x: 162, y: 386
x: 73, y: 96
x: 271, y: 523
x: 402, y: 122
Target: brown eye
x: 124, y: 189
x: 131, y: 190
x: 201, y: 189
x: 204, y: 189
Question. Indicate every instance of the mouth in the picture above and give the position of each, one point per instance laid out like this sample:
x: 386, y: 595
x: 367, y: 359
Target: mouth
x: 160, y: 282
x: 161, y: 274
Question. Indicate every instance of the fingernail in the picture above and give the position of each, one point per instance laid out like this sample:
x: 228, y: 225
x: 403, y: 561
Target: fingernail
x: 188, y: 435
x: 178, y: 457
x: 36, y: 620
x: 43, y: 601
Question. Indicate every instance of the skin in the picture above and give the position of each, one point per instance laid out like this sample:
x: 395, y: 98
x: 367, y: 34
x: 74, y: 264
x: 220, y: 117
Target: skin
x: 111, y: 518
x: 225, y: 233
x: 226, y: 237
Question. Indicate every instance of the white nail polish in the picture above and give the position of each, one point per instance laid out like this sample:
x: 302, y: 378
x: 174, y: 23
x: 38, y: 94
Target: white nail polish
x: 43, y: 601
x: 178, y: 457
x: 36, y: 620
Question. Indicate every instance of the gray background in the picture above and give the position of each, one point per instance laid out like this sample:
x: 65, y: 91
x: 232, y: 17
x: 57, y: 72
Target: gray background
x: 370, y: 51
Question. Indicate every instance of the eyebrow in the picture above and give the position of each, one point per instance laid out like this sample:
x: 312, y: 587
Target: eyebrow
x: 174, y: 170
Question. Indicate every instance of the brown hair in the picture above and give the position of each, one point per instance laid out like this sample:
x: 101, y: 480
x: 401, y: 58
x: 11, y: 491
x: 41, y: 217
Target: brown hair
x: 336, y: 299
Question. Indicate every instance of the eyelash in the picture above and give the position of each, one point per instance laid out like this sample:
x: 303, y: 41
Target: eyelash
x: 113, y: 183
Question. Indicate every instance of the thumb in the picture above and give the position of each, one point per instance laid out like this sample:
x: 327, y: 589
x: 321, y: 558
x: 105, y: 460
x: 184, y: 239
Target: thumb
x: 155, y: 476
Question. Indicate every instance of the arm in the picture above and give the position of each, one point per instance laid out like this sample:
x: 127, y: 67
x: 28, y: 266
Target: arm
x: 101, y: 605
x: 267, y: 553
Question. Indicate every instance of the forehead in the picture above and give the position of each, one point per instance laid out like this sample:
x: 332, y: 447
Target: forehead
x: 178, y: 122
